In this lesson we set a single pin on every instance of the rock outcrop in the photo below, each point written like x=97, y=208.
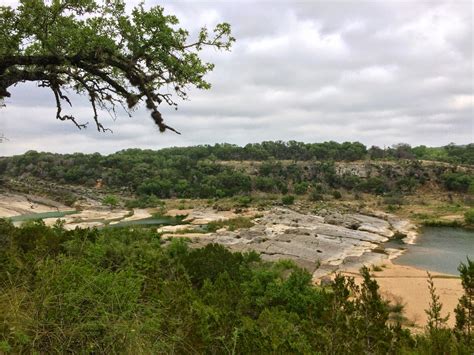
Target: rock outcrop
x=319, y=244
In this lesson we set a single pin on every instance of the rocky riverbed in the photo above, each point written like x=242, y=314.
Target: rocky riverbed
x=320, y=243
x=13, y=204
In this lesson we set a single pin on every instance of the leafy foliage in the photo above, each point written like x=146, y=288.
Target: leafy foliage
x=190, y=173
x=469, y=216
x=123, y=290
x=98, y=49
x=288, y=199
x=111, y=201
x=193, y=172
x=458, y=181
x=231, y=224
x=465, y=309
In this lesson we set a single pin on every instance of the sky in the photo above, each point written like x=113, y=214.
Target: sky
x=377, y=72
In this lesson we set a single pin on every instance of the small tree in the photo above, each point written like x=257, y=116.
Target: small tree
x=439, y=335
x=465, y=308
x=374, y=313
x=435, y=320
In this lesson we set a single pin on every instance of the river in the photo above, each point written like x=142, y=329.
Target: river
x=438, y=249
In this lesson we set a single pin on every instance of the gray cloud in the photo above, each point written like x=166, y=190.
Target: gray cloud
x=376, y=72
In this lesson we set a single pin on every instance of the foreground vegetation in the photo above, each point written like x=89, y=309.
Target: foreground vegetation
x=124, y=290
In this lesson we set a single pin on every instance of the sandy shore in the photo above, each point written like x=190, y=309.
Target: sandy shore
x=406, y=284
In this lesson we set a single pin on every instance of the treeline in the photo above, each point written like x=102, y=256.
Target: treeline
x=327, y=151
x=197, y=172
x=126, y=291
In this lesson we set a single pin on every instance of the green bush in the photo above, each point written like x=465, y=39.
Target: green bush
x=111, y=200
x=301, y=188
x=244, y=201
x=469, y=216
x=288, y=200
x=231, y=224
x=316, y=196
x=458, y=181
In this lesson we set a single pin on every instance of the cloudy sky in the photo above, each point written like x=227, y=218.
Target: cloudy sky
x=378, y=72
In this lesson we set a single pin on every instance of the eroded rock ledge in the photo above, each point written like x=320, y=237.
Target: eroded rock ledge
x=320, y=244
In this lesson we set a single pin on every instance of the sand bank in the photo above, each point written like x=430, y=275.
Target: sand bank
x=409, y=285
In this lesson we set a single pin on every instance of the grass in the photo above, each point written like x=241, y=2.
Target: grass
x=450, y=208
x=231, y=224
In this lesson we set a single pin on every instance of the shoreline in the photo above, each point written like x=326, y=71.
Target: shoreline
x=408, y=285
x=412, y=236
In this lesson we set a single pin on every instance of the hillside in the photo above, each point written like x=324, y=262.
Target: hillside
x=419, y=189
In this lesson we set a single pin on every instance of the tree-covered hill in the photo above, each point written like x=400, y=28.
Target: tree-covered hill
x=273, y=167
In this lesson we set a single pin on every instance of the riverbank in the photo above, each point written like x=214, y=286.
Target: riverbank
x=409, y=285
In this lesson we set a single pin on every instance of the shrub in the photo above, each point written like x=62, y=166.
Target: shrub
x=392, y=208
x=319, y=188
x=469, y=216
x=316, y=196
x=471, y=187
x=336, y=194
x=231, y=224
x=265, y=184
x=459, y=181
x=110, y=200
x=244, y=201
x=465, y=309
x=288, y=200
x=301, y=188
x=210, y=261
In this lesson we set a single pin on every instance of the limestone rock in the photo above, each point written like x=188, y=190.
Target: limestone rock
x=309, y=240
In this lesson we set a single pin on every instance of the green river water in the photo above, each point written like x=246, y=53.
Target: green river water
x=152, y=221
x=33, y=216
x=438, y=249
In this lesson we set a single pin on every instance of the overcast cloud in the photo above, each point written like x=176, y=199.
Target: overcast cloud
x=378, y=72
